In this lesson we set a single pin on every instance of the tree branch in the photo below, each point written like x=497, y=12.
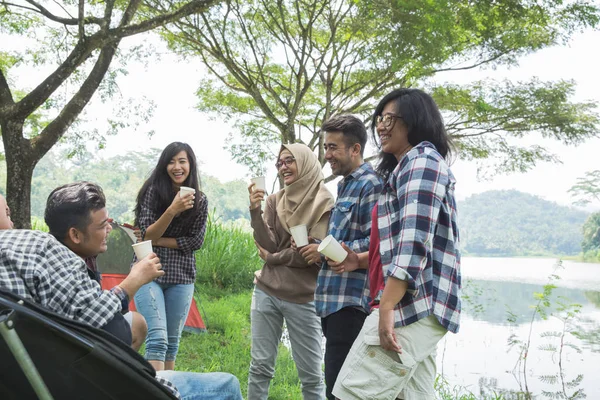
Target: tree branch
x=190, y=8
x=130, y=12
x=81, y=10
x=6, y=100
x=39, y=95
x=497, y=56
x=50, y=135
x=61, y=20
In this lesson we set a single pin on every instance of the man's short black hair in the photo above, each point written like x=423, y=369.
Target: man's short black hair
x=352, y=128
x=70, y=206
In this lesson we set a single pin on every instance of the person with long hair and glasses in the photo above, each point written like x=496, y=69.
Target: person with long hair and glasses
x=285, y=286
x=176, y=225
x=413, y=259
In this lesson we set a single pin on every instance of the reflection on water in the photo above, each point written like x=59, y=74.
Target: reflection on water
x=498, y=304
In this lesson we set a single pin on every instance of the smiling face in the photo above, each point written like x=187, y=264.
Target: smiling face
x=342, y=159
x=289, y=173
x=393, y=138
x=92, y=241
x=5, y=221
x=178, y=168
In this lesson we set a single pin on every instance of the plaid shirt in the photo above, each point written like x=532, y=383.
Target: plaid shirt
x=179, y=264
x=350, y=222
x=419, y=237
x=37, y=267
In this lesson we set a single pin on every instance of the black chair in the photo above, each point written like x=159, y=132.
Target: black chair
x=74, y=360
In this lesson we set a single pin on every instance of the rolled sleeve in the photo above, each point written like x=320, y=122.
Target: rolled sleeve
x=368, y=198
x=421, y=187
x=194, y=240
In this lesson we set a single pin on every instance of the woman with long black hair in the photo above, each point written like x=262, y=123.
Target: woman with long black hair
x=413, y=258
x=176, y=224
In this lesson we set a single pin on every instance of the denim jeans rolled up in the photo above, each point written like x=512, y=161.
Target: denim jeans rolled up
x=204, y=386
x=165, y=308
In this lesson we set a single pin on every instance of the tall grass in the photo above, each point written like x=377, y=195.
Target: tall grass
x=38, y=224
x=228, y=258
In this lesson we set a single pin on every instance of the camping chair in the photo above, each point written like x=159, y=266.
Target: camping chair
x=74, y=360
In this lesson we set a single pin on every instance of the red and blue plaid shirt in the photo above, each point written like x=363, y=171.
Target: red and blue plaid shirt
x=416, y=217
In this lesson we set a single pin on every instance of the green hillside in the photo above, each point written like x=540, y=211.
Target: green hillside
x=512, y=223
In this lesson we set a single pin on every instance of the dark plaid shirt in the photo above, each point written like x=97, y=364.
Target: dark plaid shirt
x=418, y=233
x=350, y=222
x=179, y=264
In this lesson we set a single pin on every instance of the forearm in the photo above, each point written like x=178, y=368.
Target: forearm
x=130, y=285
x=363, y=260
x=157, y=229
x=394, y=291
x=288, y=258
x=261, y=231
x=168, y=242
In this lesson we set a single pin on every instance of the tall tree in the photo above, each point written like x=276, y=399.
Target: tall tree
x=79, y=40
x=281, y=67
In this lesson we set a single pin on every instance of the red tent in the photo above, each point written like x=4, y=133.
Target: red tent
x=114, y=267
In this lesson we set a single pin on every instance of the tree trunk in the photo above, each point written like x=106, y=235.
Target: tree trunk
x=20, y=162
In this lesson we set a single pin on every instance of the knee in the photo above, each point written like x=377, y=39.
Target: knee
x=139, y=330
x=262, y=367
x=231, y=385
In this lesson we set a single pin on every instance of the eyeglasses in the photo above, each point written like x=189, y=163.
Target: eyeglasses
x=387, y=120
x=287, y=161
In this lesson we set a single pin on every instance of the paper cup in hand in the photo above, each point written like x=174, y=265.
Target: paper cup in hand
x=259, y=183
x=183, y=190
x=300, y=235
x=330, y=248
x=142, y=249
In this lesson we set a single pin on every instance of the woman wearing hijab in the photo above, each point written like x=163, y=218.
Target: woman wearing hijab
x=285, y=285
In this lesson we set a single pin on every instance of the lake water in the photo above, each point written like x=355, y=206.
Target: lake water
x=479, y=358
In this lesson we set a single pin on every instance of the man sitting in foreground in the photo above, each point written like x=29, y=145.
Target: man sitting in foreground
x=37, y=267
x=76, y=215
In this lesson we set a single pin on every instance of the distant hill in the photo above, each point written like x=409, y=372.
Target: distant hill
x=513, y=223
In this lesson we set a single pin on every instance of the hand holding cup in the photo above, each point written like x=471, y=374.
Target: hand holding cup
x=256, y=195
x=183, y=201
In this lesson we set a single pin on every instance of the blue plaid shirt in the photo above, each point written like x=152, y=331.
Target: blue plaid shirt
x=350, y=222
x=418, y=234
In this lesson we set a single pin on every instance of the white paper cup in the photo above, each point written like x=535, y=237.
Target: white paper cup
x=300, y=235
x=330, y=248
x=260, y=183
x=183, y=190
x=142, y=249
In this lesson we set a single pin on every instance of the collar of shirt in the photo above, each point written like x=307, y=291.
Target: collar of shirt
x=356, y=174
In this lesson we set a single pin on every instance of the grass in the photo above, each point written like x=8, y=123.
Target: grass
x=226, y=345
x=228, y=257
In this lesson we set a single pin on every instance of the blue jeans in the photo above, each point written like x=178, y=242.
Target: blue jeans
x=165, y=307
x=208, y=386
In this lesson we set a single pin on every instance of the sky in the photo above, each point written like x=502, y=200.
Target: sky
x=171, y=84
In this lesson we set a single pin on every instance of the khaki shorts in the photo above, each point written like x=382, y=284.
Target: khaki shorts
x=372, y=373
